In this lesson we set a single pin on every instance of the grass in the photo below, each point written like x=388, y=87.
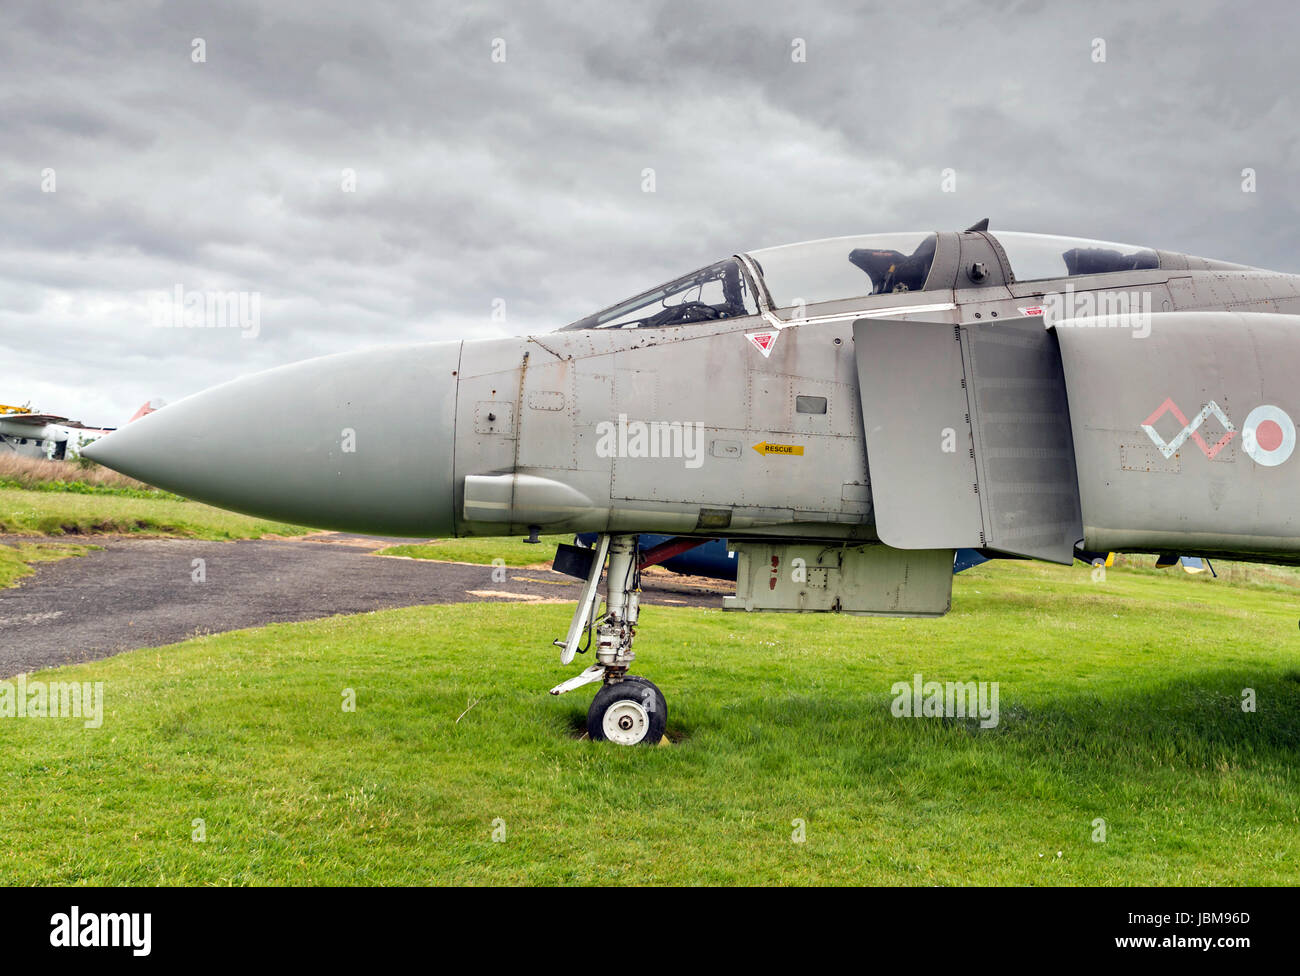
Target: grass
x=513, y=552
x=28, y=512
x=1119, y=700
x=16, y=560
x=82, y=476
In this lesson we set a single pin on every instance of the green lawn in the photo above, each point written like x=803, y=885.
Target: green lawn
x=56, y=513
x=511, y=551
x=1119, y=700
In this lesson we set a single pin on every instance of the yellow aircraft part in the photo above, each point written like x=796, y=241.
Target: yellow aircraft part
x=5, y=408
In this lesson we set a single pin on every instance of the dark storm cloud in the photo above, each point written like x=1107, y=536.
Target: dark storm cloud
x=479, y=181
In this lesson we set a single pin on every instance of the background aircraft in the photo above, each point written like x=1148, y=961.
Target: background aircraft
x=847, y=413
x=44, y=435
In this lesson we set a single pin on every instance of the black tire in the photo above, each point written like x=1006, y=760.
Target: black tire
x=643, y=713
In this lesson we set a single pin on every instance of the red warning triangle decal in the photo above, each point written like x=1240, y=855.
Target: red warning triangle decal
x=763, y=341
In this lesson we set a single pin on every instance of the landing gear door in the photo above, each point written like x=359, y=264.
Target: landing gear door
x=968, y=437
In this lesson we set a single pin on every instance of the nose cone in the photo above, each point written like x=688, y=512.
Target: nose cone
x=361, y=442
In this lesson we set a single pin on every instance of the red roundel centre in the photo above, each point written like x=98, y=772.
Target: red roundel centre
x=1268, y=435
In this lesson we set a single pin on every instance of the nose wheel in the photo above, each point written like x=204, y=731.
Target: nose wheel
x=629, y=712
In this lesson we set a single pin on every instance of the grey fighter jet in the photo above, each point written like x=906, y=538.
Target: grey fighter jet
x=846, y=412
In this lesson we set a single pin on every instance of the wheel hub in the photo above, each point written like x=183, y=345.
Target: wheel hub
x=626, y=722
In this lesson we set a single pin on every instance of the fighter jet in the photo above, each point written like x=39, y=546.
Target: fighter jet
x=847, y=413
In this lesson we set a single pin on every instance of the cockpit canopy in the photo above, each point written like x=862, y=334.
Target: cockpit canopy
x=719, y=291
x=1036, y=256
x=846, y=268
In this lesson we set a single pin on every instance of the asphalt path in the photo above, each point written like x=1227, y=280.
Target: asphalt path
x=146, y=593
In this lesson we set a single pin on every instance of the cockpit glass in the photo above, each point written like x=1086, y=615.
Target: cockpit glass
x=1035, y=256
x=719, y=291
x=845, y=267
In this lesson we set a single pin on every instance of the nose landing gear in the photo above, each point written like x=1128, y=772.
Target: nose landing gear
x=628, y=710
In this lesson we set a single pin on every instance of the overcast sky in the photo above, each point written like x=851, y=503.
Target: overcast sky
x=520, y=181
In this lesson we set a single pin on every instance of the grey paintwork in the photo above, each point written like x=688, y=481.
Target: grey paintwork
x=328, y=442
x=868, y=580
x=687, y=375
x=1137, y=498
x=492, y=437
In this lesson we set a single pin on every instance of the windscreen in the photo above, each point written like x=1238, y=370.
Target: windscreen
x=719, y=291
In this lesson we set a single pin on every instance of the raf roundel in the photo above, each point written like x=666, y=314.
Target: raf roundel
x=1268, y=435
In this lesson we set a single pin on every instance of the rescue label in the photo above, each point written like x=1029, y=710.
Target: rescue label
x=793, y=450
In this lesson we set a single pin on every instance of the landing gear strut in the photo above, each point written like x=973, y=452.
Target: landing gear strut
x=628, y=710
